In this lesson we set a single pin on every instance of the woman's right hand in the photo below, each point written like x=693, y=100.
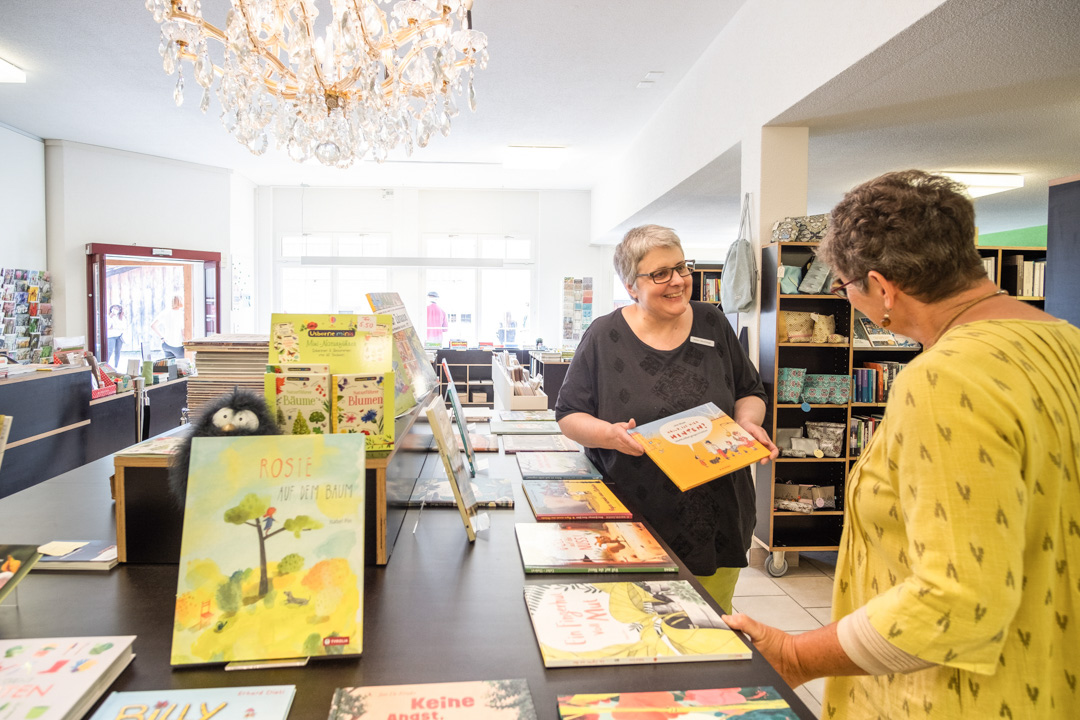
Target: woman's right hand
x=619, y=439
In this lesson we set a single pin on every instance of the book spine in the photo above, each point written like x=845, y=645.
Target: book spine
x=543, y=569
x=577, y=517
x=631, y=660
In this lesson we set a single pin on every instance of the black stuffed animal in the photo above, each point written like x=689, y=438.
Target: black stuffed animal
x=233, y=415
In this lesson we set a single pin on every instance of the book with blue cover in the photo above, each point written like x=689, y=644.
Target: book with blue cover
x=255, y=702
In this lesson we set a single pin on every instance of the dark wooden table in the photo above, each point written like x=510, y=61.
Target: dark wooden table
x=442, y=610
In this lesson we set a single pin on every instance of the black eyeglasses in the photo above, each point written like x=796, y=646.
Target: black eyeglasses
x=840, y=289
x=663, y=275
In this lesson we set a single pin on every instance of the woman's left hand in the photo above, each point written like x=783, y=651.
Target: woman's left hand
x=777, y=646
x=762, y=437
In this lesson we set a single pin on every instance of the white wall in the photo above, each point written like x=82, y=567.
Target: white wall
x=241, y=255
x=100, y=195
x=22, y=201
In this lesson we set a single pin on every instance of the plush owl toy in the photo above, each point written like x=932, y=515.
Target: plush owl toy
x=238, y=413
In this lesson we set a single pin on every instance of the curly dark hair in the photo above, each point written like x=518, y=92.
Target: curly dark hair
x=915, y=228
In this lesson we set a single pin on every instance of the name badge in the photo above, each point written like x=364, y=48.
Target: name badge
x=702, y=341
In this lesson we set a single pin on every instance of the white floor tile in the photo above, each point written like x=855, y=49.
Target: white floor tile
x=828, y=569
x=822, y=614
x=807, y=590
x=811, y=702
x=754, y=581
x=780, y=611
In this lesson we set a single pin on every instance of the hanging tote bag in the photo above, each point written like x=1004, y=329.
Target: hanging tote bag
x=740, y=269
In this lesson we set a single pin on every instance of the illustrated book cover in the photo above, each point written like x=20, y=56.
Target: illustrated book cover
x=573, y=500
x=357, y=344
x=489, y=492
x=877, y=335
x=59, y=678
x=761, y=702
x=15, y=562
x=628, y=622
x=94, y=555
x=414, y=374
x=459, y=418
x=475, y=700
x=255, y=702
x=556, y=466
x=364, y=404
x=168, y=445
x=524, y=427
x=456, y=473
x=698, y=445
x=272, y=551
x=538, y=443
x=300, y=402
x=590, y=547
x=480, y=443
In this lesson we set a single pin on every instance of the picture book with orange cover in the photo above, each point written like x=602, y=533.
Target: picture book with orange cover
x=698, y=445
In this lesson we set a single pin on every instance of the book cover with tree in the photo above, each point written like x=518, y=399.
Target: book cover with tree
x=300, y=402
x=476, y=700
x=272, y=555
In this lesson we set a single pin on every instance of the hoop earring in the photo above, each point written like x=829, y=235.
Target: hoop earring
x=886, y=321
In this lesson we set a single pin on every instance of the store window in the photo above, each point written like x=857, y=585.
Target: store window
x=330, y=288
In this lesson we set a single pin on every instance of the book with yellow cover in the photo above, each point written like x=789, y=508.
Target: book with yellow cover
x=347, y=343
x=590, y=547
x=698, y=445
x=573, y=500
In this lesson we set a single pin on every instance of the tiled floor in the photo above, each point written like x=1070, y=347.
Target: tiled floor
x=801, y=600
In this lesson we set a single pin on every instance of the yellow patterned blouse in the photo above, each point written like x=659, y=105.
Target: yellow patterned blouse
x=963, y=530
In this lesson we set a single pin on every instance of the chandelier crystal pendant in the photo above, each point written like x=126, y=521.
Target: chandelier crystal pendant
x=370, y=82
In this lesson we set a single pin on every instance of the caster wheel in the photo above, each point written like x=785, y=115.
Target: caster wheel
x=776, y=569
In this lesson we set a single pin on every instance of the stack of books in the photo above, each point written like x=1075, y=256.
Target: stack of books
x=224, y=362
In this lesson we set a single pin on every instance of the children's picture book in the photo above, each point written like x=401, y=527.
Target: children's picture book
x=538, y=443
x=489, y=492
x=59, y=678
x=459, y=418
x=628, y=622
x=698, y=445
x=877, y=335
x=456, y=473
x=15, y=562
x=352, y=344
x=254, y=702
x=525, y=427
x=94, y=555
x=556, y=466
x=272, y=552
x=364, y=404
x=573, y=500
x=413, y=373
x=527, y=415
x=761, y=702
x=470, y=700
x=154, y=446
x=480, y=443
x=300, y=402
x=592, y=547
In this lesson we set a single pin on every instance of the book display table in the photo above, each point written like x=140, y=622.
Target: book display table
x=444, y=610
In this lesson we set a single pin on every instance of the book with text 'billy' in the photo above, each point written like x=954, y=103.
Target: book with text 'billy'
x=618, y=623
x=469, y=700
x=573, y=500
x=256, y=702
x=761, y=702
x=698, y=445
x=591, y=547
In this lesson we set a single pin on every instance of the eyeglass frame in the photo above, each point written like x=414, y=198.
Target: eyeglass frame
x=688, y=264
x=839, y=291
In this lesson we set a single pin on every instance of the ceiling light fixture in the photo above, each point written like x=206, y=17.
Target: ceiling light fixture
x=10, y=74
x=533, y=157
x=981, y=184
x=367, y=85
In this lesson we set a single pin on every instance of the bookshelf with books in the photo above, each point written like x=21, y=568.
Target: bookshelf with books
x=1020, y=271
x=706, y=278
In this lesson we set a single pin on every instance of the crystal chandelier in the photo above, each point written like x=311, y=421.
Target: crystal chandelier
x=372, y=81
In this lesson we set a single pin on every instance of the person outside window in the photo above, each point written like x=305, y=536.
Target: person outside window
x=169, y=326
x=117, y=328
x=436, y=319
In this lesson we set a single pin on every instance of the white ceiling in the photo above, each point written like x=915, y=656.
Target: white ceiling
x=988, y=85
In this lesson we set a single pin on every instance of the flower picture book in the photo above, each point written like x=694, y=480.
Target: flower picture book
x=489, y=492
x=573, y=500
x=414, y=375
x=628, y=622
x=745, y=703
x=527, y=415
x=524, y=427
x=469, y=700
x=456, y=473
x=556, y=466
x=459, y=418
x=590, y=547
x=272, y=551
x=364, y=405
x=59, y=678
x=698, y=445
x=15, y=562
x=349, y=344
x=538, y=443
x=263, y=702
x=94, y=555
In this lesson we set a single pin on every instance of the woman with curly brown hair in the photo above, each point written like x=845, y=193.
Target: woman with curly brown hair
x=956, y=585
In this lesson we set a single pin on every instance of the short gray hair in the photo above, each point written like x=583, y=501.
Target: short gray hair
x=636, y=244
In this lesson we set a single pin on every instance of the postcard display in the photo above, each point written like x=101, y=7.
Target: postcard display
x=27, y=315
x=577, y=312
